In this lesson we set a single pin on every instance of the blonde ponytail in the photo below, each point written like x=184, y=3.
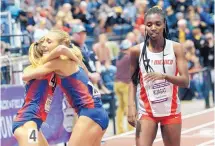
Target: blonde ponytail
x=36, y=53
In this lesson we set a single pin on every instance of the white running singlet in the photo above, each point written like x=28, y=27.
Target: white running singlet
x=159, y=98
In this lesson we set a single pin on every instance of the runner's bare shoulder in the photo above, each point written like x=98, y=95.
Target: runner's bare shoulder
x=135, y=50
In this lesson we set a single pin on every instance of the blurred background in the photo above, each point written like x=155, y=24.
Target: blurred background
x=103, y=25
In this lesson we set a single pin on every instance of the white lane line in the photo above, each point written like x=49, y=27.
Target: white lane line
x=120, y=135
x=183, y=117
x=206, y=143
x=191, y=129
x=198, y=113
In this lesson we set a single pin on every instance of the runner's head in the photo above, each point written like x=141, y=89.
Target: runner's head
x=155, y=22
x=55, y=38
x=49, y=42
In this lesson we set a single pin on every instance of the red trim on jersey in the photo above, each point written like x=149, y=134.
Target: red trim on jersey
x=174, y=104
x=144, y=97
x=82, y=91
x=28, y=98
x=31, y=91
x=87, y=99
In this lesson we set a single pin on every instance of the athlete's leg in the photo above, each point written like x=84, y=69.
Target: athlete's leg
x=85, y=132
x=99, y=139
x=42, y=139
x=23, y=134
x=171, y=130
x=146, y=132
x=171, y=134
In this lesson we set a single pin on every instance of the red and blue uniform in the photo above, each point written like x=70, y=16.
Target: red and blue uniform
x=38, y=97
x=84, y=97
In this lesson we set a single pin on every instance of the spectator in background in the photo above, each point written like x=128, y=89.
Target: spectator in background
x=183, y=31
x=137, y=35
x=114, y=49
x=25, y=4
x=104, y=56
x=195, y=21
x=171, y=17
x=58, y=25
x=199, y=83
x=3, y=5
x=130, y=11
x=40, y=30
x=132, y=38
x=121, y=86
x=89, y=57
x=142, y=32
x=141, y=7
x=180, y=5
x=4, y=48
x=205, y=16
x=179, y=16
x=100, y=27
x=82, y=14
x=119, y=18
x=197, y=38
x=65, y=15
x=190, y=55
x=30, y=16
x=106, y=13
x=23, y=20
x=49, y=11
x=102, y=51
x=207, y=50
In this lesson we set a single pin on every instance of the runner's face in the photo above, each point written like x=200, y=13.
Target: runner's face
x=154, y=26
x=50, y=42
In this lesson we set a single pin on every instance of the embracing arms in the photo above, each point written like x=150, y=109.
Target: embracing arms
x=73, y=53
x=42, y=70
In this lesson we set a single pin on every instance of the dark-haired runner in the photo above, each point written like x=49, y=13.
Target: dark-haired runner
x=159, y=66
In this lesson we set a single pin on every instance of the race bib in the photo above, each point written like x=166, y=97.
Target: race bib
x=94, y=90
x=53, y=82
x=158, y=91
x=48, y=103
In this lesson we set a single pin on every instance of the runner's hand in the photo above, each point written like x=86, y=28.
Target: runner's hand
x=151, y=77
x=132, y=114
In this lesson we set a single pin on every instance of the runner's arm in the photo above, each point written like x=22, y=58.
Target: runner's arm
x=183, y=79
x=134, y=53
x=41, y=70
x=74, y=55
